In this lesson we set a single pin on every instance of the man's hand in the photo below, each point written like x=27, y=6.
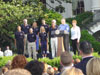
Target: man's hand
x=78, y=41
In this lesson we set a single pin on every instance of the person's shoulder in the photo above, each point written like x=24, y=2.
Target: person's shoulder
x=22, y=25
x=66, y=24
x=78, y=27
x=34, y=33
x=5, y=51
x=71, y=28
x=10, y=51
x=22, y=32
x=60, y=25
x=40, y=34
x=1, y=51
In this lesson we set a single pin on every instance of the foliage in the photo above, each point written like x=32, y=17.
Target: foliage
x=53, y=62
x=82, y=19
x=49, y=15
x=12, y=15
x=90, y=38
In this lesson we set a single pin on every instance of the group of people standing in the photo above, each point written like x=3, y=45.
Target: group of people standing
x=28, y=38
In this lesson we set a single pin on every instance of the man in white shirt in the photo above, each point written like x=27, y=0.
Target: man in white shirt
x=1, y=53
x=75, y=35
x=8, y=52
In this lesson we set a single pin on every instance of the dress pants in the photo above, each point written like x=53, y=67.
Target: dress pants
x=25, y=45
x=32, y=49
x=66, y=42
x=54, y=46
x=74, y=45
x=20, y=46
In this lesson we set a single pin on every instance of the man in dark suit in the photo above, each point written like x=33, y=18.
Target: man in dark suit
x=86, y=51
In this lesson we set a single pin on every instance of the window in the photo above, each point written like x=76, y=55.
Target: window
x=79, y=7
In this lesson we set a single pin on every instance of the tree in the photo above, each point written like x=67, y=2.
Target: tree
x=12, y=14
x=58, y=8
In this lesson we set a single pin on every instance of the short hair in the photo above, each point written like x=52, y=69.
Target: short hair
x=4, y=69
x=93, y=66
x=72, y=71
x=18, y=61
x=66, y=58
x=54, y=21
x=86, y=47
x=50, y=71
x=42, y=28
x=74, y=21
x=35, y=67
x=18, y=72
x=25, y=19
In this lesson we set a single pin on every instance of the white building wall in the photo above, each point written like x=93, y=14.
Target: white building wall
x=68, y=8
x=88, y=5
x=91, y=5
x=95, y=4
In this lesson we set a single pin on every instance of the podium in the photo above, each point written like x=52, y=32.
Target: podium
x=63, y=41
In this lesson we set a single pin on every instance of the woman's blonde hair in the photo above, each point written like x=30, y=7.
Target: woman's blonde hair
x=42, y=29
x=74, y=21
x=72, y=71
x=93, y=66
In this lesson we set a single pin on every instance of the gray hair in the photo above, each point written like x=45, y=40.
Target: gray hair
x=54, y=21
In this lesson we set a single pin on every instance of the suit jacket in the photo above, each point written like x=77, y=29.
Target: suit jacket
x=82, y=64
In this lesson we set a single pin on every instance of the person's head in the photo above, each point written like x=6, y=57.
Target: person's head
x=35, y=67
x=42, y=29
x=66, y=59
x=50, y=71
x=25, y=21
x=19, y=28
x=74, y=22
x=18, y=72
x=19, y=61
x=63, y=21
x=86, y=48
x=4, y=69
x=43, y=21
x=8, y=65
x=72, y=71
x=93, y=66
x=53, y=23
x=34, y=25
x=8, y=48
x=31, y=30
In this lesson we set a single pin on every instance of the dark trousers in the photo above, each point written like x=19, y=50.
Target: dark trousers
x=74, y=45
x=66, y=42
x=44, y=47
x=20, y=46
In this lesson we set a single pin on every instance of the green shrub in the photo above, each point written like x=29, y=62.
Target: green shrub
x=53, y=62
x=88, y=37
x=12, y=15
x=82, y=19
x=49, y=15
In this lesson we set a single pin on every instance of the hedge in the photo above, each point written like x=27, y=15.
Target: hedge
x=88, y=37
x=53, y=62
x=82, y=19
